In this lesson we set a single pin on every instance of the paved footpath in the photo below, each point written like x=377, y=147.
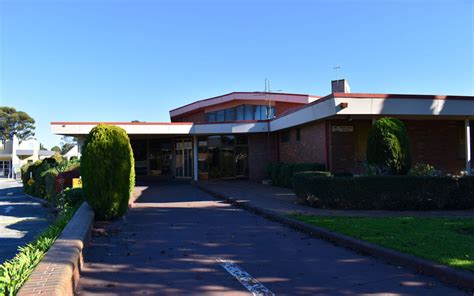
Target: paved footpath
x=283, y=201
x=21, y=218
x=179, y=240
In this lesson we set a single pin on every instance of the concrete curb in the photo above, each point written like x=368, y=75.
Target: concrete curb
x=39, y=200
x=458, y=278
x=58, y=272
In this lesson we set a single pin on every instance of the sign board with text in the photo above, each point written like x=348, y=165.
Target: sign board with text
x=342, y=129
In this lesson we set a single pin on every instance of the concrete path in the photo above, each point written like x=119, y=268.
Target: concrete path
x=178, y=240
x=283, y=201
x=21, y=218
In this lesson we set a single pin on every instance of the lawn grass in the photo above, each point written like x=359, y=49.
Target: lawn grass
x=449, y=241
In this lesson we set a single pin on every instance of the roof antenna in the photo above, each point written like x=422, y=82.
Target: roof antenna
x=337, y=67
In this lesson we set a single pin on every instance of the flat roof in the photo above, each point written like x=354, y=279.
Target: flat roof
x=322, y=107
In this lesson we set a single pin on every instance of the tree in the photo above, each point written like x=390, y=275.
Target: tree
x=66, y=144
x=107, y=169
x=16, y=122
x=388, y=147
x=56, y=149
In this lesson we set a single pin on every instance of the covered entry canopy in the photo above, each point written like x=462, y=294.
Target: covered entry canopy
x=182, y=149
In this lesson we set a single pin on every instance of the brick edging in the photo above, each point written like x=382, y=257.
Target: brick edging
x=449, y=275
x=59, y=270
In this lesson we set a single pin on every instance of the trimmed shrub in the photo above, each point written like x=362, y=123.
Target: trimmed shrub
x=388, y=147
x=386, y=192
x=423, y=169
x=281, y=174
x=48, y=177
x=107, y=168
x=304, y=174
x=36, y=187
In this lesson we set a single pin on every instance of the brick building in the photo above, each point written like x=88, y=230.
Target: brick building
x=236, y=135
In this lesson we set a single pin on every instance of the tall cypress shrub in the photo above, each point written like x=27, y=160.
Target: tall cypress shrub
x=107, y=169
x=388, y=147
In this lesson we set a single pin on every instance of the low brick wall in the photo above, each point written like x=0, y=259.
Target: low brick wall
x=58, y=273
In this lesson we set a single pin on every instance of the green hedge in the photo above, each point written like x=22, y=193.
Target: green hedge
x=282, y=174
x=107, y=168
x=44, y=174
x=386, y=192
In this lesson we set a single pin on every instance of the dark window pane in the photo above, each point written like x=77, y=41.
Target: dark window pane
x=272, y=112
x=230, y=114
x=220, y=116
x=298, y=134
x=214, y=141
x=228, y=140
x=241, y=140
x=239, y=113
x=211, y=117
x=249, y=112
x=257, y=112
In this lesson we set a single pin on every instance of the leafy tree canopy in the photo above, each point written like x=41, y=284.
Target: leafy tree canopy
x=16, y=122
x=56, y=149
x=66, y=144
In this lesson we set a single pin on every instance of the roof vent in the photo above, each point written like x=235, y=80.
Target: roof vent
x=340, y=86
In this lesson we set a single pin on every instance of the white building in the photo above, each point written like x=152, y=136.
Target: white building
x=14, y=154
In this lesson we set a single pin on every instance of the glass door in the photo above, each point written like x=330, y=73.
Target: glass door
x=183, y=155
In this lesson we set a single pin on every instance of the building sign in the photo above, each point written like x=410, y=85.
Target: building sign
x=76, y=183
x=342, y=129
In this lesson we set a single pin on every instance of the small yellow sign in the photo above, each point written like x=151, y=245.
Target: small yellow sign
x=76, y=183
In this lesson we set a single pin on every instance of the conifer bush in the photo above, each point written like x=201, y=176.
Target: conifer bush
x=388, y=147
x=107, y=168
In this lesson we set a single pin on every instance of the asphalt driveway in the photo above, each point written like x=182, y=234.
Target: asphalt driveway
x=179, y=240
x=21, y=218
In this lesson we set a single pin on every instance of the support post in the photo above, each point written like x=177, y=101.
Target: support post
x=468, y=147
x=195, y=158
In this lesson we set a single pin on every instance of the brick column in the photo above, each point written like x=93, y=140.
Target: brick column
x=195, y=158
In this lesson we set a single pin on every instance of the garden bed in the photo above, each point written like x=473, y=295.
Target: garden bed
x=15, y=272
x=447, y=241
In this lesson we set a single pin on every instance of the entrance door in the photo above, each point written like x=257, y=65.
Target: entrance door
x=183, y=155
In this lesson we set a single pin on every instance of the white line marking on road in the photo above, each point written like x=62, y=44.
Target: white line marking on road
x=250, y=283
x=8, y=209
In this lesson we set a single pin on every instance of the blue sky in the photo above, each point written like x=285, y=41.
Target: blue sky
x=135, y=60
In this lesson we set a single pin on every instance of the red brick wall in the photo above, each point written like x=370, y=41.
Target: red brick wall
x=262, y=151
x=346, y=154
x=439, y=143
x=311, y=148
x=436, y=142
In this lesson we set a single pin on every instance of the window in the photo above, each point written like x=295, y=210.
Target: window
x=229, y=114
x=242, y=112
x=211, y=117
x=248, y=112
x=258, y=112
x=285, y=136
x=220, y=116
x=271, y=112
x=298, y=134
x=239, y=113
